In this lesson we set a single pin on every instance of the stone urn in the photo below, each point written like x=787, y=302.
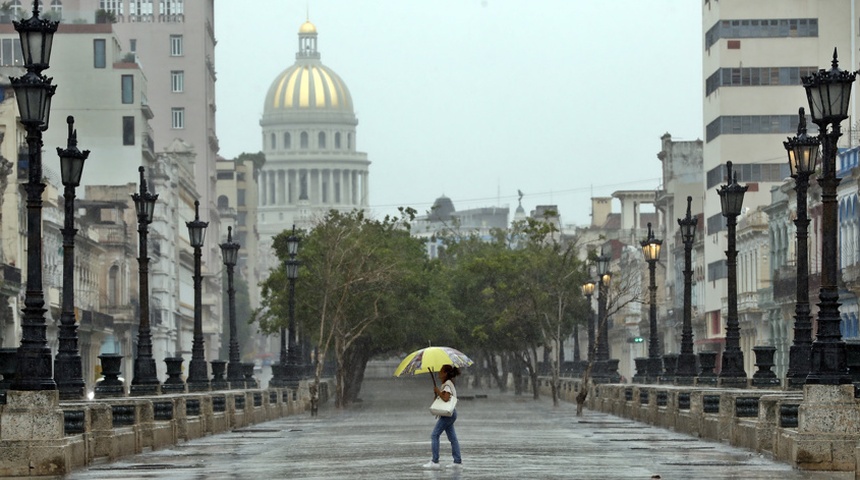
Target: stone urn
x=219, y=368
x=764, y=377
x=248, y=371
x=641, y=369
x=670, y=364
x=174, y=382
x=110, y=385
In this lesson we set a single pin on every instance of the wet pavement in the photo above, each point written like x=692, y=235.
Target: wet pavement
x=502, y=436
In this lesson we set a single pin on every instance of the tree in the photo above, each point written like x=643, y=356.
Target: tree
x=259, y=159
x=356, y=274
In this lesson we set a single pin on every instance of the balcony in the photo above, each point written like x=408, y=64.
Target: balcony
x=148, y=145
x=748, y=302
x=11, y=276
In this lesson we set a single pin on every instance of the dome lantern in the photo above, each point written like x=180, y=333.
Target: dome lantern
x=307, y=42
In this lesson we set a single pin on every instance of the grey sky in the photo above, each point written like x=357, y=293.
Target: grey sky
x=475, y=99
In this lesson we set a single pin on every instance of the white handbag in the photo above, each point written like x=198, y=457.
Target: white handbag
x=442, y=408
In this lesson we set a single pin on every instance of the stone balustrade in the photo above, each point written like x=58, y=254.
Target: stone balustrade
x=39, y=435
x=814, y=429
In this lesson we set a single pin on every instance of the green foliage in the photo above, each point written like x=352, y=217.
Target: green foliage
x=366, y=288
x=258, y=158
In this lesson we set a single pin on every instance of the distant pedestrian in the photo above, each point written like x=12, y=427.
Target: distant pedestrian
x=446, y=391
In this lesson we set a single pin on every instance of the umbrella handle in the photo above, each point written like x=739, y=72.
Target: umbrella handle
x=433, y=378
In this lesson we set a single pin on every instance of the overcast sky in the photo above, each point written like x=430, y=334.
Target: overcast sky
x=475, y=99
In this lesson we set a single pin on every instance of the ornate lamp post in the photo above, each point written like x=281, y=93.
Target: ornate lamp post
x=198, y=370
x=685, y=372
x=731, y=201
x=601, y=359
x=285, y=373
x=829, y=94
x=651, y=249
x=230, y=252
x=802, y=159
x=293, y=371
x=67, y=364
x=33, y=92
x=588, y=291
x=145, y=381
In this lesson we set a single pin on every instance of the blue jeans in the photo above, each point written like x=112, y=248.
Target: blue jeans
x=445, y=424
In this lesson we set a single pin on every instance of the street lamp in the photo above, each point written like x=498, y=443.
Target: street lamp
x=601, y=358
x=285, y=373
x=292, y=266
x=230, y=252
x=145, y=380
x=588, y=291
x=732, y=373
x=802, y=159
x=685, y=372
x=68, y=372
x=651, y=249
x=33, y=92
x=829, y=93
x=198, y=370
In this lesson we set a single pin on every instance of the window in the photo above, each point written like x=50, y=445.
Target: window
x=177, y=81
x=140, y=7
x=99, y=53
x=113, y=285
x=794, y=27
x=349, y=141
x=321, y=140
x=176, y=49
x=132, y=45
x=10, y=52
x=128, y=130
x=337, y=140
x=111, y=6
x=304, y=140
x=287, y=141
x=718, y=270
x=240, y=198
x=57, y=7
x=17, y=9
x=127, y=89
x=177, y=116
x=172, y=7
x=272, y=144
x=223, y=201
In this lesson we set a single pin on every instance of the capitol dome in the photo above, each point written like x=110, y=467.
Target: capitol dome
x=308, y=85
x=309, y=139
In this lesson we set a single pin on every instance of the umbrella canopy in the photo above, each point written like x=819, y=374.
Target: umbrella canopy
x=431, y=359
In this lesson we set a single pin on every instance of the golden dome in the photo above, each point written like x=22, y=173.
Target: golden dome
x=307, y=27
x=308, y=86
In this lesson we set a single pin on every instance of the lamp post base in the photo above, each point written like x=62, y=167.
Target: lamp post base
x=68, y=376
x=234, y=375
x=145, y=381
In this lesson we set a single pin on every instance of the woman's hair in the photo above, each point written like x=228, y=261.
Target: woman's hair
x=450, y=370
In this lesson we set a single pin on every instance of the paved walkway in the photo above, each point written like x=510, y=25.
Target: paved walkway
x=502, y=437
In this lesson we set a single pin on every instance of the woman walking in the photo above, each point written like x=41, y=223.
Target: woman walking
x=446, y=391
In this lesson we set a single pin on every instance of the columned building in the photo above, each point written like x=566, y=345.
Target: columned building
x=309, y=139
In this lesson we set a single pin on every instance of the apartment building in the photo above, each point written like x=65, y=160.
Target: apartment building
x=755, y=54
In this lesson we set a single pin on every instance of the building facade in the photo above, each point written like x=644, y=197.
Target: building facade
x=755, y=54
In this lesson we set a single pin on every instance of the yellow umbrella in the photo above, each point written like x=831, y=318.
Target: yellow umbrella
x=431, y=359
